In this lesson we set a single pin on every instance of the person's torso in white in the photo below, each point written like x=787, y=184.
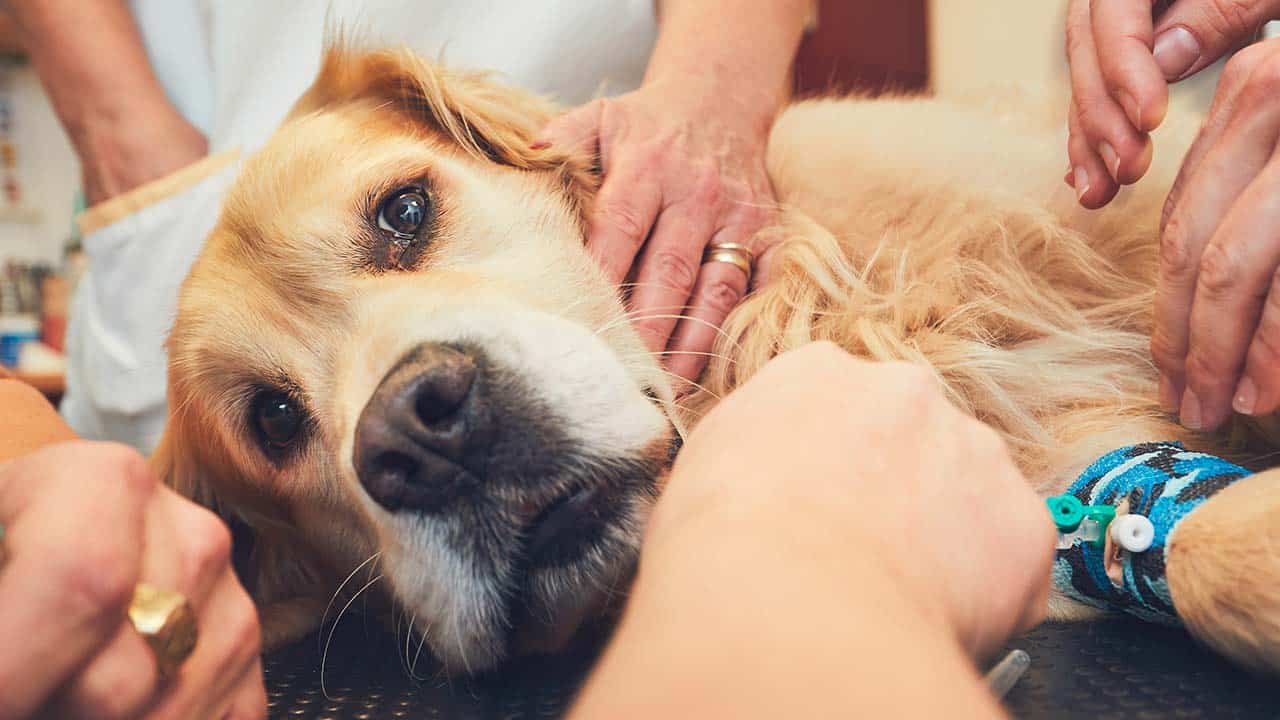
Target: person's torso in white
x=234, y=67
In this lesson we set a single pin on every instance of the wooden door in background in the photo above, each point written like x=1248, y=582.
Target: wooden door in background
x=865, y=46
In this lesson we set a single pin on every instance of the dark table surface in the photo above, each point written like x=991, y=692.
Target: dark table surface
x=1112, y=669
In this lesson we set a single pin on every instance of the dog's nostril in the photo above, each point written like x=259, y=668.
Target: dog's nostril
x=396, y=467
x=436, y=402
x=443, y=386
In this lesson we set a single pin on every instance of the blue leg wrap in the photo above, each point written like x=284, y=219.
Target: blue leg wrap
x=1162, y=481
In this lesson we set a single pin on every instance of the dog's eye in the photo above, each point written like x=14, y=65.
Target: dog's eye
x=404, y=212
x=277, y=418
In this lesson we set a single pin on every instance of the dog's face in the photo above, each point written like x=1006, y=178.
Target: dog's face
x=394, y=345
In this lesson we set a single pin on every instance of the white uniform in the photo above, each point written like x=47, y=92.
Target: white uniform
x=233, y=68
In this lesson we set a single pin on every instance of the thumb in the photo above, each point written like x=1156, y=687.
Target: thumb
x=576, y=130
x=1193, y=35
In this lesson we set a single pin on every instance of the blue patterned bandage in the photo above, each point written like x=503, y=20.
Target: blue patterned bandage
x=1162, y=481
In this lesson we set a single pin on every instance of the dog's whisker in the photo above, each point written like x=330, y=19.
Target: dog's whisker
x=462, y=650
x=341, y=585
x=721, y=356
x=413, y=666
x=668, y=316
x=685, y=410
x=324, y=656
x=408, y=635
x=681, y=379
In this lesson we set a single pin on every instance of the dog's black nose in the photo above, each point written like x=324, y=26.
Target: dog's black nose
x=418, y=427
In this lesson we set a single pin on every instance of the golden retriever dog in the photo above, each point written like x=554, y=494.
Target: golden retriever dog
x=393, y=360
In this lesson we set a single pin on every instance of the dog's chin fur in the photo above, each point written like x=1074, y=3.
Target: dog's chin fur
x=915, y=230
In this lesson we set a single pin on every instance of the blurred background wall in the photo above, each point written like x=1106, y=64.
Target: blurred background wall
x=948, y=46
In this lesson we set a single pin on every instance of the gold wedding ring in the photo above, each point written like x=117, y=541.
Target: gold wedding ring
x=736, y=254
x=167, y=622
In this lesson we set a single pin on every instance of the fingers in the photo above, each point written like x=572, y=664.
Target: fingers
x=1088, y=175
x=719, y=288
x=1205, y=194
x=120, y=682
x=1234, y=76
x=188, y=550
x=1258, y=392
x=1101, y=132
x=623, y=214
x=577, y=130
x=670, y=264
x=1122, y=33
x=1193, y=34
x=1235, y=275
x=249, y=700
x=225, y=659
x=71, y=562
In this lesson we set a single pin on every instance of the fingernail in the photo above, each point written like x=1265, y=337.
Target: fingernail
x=1131, y=108
x=1081, y=183
x=1246, y=397
x=1190, y=413
x=1168, y=395
x=1176, y=50
x=1111, y=158
x=540, y=145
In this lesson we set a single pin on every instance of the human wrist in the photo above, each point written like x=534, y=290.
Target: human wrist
x=725, y=627
x=744, y=49
x=116, y=157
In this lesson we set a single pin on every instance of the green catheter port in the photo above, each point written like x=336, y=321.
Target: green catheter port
x=1077, y=521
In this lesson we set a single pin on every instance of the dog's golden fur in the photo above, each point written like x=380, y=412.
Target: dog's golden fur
x=915, y=230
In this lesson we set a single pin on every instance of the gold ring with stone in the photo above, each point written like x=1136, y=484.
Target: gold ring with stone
x=167, y=622
x=736, y=254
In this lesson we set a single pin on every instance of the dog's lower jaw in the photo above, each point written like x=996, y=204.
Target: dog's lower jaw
x=532, y=634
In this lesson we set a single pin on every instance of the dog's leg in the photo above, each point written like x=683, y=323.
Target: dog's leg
x=1223, y=569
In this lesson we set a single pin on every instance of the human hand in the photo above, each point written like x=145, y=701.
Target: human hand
x=116, y=157
x=1216, y=338
x=83, y=524
x=683, y=165
x=1122, y=54
x=847, y=462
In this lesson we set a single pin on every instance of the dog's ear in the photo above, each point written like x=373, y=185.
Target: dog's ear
x=270, y=564
x=176, y=466
x=485, y=119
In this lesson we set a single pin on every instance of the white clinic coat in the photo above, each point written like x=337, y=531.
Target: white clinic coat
x=233, y=68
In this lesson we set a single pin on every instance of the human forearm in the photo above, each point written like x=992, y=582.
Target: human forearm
x=749, y=44
x=95, y=71
x=753, y=625
x=89, y=58
x=27, y=421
